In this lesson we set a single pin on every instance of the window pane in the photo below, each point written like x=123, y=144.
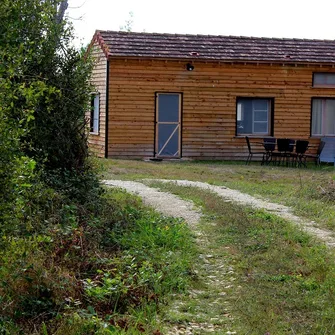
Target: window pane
x=95, y=112
x=260, y=105
x=323, y=117
x=261, y=127
x=253, y=116
x=317, y=117
x=331, y=79
x=324, y=79
x=244, y=126
x=239, y=112
x=330, y=117
x=168, y=107
x=319, y=79
x=260, y=116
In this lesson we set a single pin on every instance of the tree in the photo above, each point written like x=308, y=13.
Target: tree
x=128, y=26
x=57, y=77
x=44, y=93
x=61, y=9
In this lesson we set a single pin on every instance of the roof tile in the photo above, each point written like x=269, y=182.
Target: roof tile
x=219, y=48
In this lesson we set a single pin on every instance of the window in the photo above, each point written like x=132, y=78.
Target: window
x=324, y=79
x=323, y=117
x=253, y=116
x=94, y=119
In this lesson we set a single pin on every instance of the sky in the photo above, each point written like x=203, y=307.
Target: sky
x=313, y=19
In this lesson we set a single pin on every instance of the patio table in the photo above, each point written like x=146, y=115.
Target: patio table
x=279, y=150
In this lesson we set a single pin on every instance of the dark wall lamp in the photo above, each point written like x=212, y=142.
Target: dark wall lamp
x=189, y=67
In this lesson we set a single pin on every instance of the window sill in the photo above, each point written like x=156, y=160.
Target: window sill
x=94, y=133
x=323, y=86
x=320, y=136
x=253, y=136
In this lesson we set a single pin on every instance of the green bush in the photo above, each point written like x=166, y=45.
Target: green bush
x=97, y=270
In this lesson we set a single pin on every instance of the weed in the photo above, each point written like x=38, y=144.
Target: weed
x=86, y=274
x=154, y=263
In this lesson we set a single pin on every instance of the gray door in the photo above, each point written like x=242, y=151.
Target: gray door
x=168, y=128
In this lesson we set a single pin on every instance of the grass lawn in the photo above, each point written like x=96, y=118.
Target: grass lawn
x=309, y=191
x=282, y=279
x=129, y=270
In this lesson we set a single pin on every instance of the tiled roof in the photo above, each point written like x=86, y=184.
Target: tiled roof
x=218, y=48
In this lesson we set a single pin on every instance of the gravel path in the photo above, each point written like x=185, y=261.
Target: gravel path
x=163, y=202
x=212, y=269
x=171, y=205
x=328, y=237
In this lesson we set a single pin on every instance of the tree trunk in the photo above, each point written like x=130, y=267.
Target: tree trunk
x=61, y=11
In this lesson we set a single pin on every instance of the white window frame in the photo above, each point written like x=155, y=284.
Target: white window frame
x=95, y=112
x=254, y=111
x=240, y=113
x=323, y=120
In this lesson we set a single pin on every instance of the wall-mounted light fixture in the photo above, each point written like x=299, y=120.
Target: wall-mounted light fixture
x=189, y=67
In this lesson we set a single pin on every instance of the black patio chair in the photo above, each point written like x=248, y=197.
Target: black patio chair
x=301, y=147
x=269, y=144
x=316, y=157
x=284, y=150
x=290, y=154
x=251, y=152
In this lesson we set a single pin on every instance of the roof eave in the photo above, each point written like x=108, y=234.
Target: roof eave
x=97, y=38
x=231, y=61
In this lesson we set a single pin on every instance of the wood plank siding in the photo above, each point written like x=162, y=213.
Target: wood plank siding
x=99, y=78
x=208, y=107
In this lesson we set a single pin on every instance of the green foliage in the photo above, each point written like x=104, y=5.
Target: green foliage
x=50, y=197
x=78, y=185
x=44, y=89
x=58, y=131
x=155, y=261
x=68, y=277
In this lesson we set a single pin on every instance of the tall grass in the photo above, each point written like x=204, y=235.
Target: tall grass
x=94, y=274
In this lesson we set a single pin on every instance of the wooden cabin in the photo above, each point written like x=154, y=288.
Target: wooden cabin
x=197, y=96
